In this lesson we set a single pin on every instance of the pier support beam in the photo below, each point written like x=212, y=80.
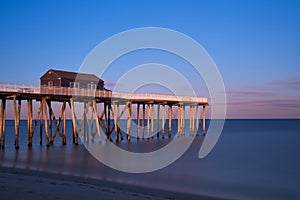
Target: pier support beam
x=192, y=120
x=41, y=123
x=75, y=138
x=203, y=120
x=183, y=119
x=50, y=122
x=128, y=120
x=179, y=120
x=85, y=122
x=108, y=120
x=158, y=112
x=64, y=126
x=148, y=121
x=29, y=122
x=105, y=120
x=116, y=115
x=97, y=120
x=138, y=121
x=170, y=121
x=143, y=121
x=197, y=120
x=45, y=122
x=152, y=121
x=2, y=124
x=17, y=112
x=163, y=122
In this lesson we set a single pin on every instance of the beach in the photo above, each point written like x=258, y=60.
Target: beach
x=33, y=185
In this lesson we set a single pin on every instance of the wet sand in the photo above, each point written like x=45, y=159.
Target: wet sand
x=33, y=185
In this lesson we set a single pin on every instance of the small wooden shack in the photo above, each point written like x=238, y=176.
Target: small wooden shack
x=57, y=78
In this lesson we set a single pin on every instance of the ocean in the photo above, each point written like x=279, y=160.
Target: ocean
x=253, y=159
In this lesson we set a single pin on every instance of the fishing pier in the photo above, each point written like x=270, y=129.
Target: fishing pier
x=99, y=108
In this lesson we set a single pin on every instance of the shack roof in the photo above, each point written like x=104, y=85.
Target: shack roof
x=73, y=75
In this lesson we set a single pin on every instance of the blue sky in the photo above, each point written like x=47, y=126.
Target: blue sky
x=255, y=44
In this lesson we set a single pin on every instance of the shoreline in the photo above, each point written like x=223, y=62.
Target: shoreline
x=29, y=184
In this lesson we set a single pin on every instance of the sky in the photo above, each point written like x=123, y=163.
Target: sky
x=255, y=44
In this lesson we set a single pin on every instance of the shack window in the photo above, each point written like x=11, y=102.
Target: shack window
x=50, y=84
x=74, y=85
x=92, y=86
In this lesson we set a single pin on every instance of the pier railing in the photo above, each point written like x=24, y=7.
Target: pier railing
x=84, y=92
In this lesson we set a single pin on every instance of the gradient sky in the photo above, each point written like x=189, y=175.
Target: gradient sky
x=255, y=44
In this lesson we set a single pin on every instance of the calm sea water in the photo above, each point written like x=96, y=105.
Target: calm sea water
x=253, y=159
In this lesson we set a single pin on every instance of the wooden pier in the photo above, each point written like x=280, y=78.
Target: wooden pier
x=94, y=122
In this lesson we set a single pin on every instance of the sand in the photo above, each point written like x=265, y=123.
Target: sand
x=33, y=185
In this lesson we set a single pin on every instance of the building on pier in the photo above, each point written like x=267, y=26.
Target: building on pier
x=57, y=78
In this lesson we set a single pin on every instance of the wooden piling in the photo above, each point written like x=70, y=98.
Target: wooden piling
x=152, y=121
x=179, y=120
x=97, y=120
x=183, y=120
x=64, y=126
x=193, y=120
x=128, y=120
x=138, y=121
x=29, y=122
x=108, y=120
x=41, y=123
x=75, y=139
x=17, y=112
x=203, y=120
x=163, y=121
x=190, y=118
x=2, y=124
x=118, y=113
x=143, y=120
x=85, y=123
x=197, y=120
x=170, y=121
x=158, y=113
x=148, y=121
x=106, y=123
x=46, y=123
x=50, y=121
x=115, y=115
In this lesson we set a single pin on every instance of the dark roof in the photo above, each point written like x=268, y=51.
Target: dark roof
x=74, y=75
